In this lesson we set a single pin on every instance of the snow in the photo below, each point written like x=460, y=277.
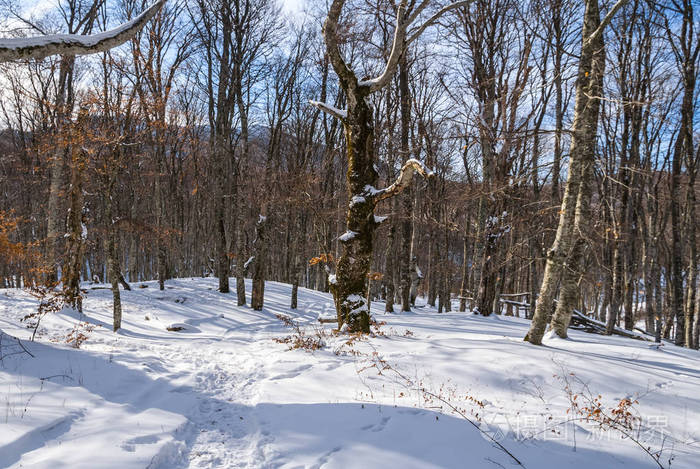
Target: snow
x=428, y=172
x=379, y=218
x=84, y=40
x=347, y=236
x=357, y=199
x=371, y=190
x=355, y=298
x=222, y=393
x=342, y=113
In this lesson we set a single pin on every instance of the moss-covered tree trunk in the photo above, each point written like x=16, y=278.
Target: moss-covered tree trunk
x=349, y=282
x=349, y=287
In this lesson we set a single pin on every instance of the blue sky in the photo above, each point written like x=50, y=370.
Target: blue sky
x=291, y=5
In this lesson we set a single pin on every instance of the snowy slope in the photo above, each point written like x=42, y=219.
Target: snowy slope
x=222, y=393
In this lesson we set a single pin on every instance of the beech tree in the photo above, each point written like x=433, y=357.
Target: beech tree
x=348, y=284
x=565, y=256
x=158, y=52
x=686, y=47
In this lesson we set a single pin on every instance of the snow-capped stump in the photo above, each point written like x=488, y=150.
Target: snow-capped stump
x=183, y=327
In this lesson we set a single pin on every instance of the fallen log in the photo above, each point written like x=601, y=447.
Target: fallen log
x=580, y=321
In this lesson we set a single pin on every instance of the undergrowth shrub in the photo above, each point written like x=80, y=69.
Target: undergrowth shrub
x=301, y=338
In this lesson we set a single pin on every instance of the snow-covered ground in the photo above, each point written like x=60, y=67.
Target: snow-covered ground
x=222, y=393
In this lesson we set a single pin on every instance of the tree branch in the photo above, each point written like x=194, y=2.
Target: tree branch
x=74, y=44
x=606, y=21
x=328, y=109
x=400, y=43
x=409, y=168
x=436, y=17
x=397, y=48
x=415, y=13
x=330, y=36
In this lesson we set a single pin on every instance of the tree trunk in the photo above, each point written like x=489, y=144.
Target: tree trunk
x=691, y=312
x=160, y=214
x=465, y=272
x=77, y=232
x=616, y=293
x=582, y=151
x=446, y=296
x=55, y=214
x=295, y=280
x=433, y=268
x=389, y=270
x=238, y=213
x=113, y=259
x=684, y=148
x=406, y=225
x=257, y=296
x=676, y=279
x=349, y=288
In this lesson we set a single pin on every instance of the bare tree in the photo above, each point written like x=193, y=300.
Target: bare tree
x=158, y=53
x=348, y=284
x=564, y=258
x=686, y=47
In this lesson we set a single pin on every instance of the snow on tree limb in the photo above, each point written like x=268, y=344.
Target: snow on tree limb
x=397, y=48
x=327, y=108
x=74, y=44
x=409, y=168
x=400, y=41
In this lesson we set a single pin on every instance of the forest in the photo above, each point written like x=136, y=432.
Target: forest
x=213, y=144
x=397, y=183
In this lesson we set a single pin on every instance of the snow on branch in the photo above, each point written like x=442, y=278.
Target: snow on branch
x=74, y=44
x=347, y=236
x=327, y=108
x=409, y=168
x=397, y=48
x=401, y=41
